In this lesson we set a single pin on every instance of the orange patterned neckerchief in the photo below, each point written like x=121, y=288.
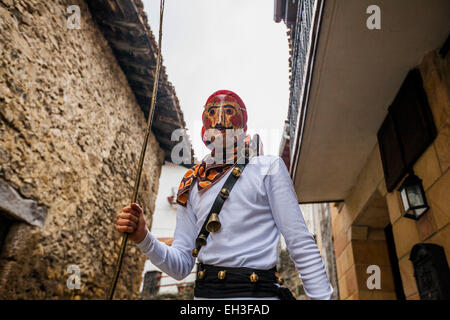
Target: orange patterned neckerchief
x=208, y=174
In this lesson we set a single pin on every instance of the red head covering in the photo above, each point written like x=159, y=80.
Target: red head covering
x=223, y=109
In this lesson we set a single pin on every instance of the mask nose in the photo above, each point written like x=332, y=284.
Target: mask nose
x=221, y=117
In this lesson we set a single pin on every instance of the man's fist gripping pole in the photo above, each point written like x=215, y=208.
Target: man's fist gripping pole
x=131, y=220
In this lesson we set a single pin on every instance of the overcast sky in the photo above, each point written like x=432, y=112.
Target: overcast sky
x=236, y=45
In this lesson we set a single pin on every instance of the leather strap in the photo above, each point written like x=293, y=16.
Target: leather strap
x=220, y=200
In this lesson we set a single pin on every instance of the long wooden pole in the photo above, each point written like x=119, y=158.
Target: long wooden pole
x=141, y=158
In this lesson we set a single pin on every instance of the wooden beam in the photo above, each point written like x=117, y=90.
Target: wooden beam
x=168, y=120
x=129, y=47
x=126, y=7
x=125, y=26
x=124, y=35
x=138, y=66
x=165, y=103
x=145, y=55
x=163, y=85
x=141, y=71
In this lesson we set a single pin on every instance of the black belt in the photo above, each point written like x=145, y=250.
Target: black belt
x=227, y=282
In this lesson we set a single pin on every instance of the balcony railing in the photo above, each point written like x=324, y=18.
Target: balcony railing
x=306, y=29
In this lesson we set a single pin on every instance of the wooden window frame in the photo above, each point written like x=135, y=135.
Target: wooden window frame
x=407, y=131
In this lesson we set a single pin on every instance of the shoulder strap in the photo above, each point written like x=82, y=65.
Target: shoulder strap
x=217, y=205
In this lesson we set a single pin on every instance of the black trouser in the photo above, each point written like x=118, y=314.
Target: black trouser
x=237, y=282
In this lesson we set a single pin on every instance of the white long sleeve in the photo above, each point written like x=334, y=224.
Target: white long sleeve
x=262, y=204
x=300, y=242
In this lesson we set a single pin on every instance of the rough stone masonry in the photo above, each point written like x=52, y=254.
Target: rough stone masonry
x=70, y=136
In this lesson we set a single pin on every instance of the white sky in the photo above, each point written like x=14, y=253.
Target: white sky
x=236, y=45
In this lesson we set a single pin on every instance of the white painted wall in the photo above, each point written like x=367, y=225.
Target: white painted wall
x=308, y=215
x=164, y=220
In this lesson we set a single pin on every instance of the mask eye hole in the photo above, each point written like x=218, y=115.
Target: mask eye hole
x=212, y=112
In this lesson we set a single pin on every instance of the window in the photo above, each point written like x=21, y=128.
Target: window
x=407, y=131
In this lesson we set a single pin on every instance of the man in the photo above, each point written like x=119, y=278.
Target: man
x=238, y=260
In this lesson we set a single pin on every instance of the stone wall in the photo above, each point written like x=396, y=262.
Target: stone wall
x=70, y=136
x=358, y=222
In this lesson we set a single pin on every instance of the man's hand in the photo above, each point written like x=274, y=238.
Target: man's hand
x=131, y=220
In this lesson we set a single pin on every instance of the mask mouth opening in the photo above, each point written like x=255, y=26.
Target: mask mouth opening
x=222, y=128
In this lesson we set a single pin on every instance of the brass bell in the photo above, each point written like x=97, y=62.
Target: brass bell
x=213, y=224
x=254, y=277
x=236, y=172
x=201, y=240
x=201, y=274
x=221, y=275
x=224, y=193
x=195, y=252
x=280, y=281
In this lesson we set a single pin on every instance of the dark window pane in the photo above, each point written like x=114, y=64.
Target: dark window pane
x=407, y=131
x=413, y=119
x=391, y=155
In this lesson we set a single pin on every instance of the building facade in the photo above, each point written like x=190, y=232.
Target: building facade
x=75, y=88
x=369, y=107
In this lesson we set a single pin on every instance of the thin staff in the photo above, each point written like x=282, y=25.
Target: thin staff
x=141, y=159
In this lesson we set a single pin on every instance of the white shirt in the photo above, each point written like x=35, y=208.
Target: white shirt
x=261, y=204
